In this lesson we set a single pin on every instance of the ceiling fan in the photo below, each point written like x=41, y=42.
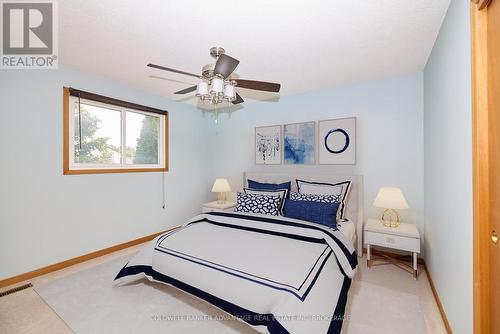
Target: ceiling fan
x=217, y=84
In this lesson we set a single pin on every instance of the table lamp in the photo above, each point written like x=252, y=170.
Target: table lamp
x=390, y=199
x=221, y=187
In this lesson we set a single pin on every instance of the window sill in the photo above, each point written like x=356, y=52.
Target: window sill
x=112, y=171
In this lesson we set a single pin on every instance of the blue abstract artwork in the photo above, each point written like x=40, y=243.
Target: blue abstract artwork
x=299, y=143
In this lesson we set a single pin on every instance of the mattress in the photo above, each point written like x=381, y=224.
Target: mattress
x=348, y=229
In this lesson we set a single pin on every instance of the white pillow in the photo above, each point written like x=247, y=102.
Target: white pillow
x=341, y=190
x=318, y=189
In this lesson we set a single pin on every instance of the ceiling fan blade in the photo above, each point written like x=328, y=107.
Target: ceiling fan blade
x=186, y=90
x=225, y=65
x=238, y=99
x=172, y=70
x=258, y=85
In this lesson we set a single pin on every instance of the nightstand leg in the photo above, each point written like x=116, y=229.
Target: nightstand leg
x=415, y=265
x=368, y=256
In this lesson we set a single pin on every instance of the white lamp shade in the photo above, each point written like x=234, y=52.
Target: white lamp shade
x=202, y=88
x=221, y=186
x=217, y=85
x=229, y=91
x=390, y=198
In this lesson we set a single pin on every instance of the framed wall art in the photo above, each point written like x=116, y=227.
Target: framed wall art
x=337, y=141
x=268, y=145
x=299, y=142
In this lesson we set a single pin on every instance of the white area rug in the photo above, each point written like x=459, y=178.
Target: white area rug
x=88, y=303
x=374, y=309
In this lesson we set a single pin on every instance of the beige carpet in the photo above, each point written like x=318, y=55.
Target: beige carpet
x=19, y=314
x=375, y=309
x=88, y=303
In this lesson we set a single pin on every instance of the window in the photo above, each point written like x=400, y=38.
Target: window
x=105, y=135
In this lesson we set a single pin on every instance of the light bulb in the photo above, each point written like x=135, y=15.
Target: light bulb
x=202, y=89
x=217, y=85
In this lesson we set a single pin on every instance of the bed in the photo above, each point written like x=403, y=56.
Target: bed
x=277, y=274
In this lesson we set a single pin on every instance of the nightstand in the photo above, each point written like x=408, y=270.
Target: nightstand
x=405, y=237
x=218, y=207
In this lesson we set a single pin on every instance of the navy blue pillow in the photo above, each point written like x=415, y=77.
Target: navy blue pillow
x=315, y=212
x=254, y=185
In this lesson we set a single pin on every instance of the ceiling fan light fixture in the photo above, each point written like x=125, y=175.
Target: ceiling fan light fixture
x=217, y=86
x=202, y=89
x=229, y=92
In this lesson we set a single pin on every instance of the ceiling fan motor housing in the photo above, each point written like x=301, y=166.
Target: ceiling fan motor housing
x=207, y=71
x=216, y=51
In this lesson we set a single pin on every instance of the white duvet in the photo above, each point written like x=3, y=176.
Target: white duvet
x=277, y=274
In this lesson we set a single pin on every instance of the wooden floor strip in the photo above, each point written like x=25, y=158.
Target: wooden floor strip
x=76, y=260
x=438, y=301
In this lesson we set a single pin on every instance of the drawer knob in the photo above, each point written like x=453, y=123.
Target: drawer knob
x=494, y=237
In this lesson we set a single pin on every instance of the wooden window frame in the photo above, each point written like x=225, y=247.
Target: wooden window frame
x=67, y=170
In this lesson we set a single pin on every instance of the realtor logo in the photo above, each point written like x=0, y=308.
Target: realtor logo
x=29, y=38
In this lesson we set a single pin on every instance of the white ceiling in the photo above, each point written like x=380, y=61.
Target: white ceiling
x=304, y=45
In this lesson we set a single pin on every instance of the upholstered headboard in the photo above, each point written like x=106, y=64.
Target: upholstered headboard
x=355, y=203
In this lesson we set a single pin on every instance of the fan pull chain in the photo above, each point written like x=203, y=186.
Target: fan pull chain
x=163, y=190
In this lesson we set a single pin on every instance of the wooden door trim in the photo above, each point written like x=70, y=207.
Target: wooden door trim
x=481, y=172
x=482, y=4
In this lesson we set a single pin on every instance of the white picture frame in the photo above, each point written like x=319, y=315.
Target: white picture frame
x=299, y=143
x=337, y=141
x=268, y=145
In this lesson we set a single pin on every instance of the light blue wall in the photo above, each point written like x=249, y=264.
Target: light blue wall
x=40, y=208
x=389, y=136
x=448, y=167
x=46, y=217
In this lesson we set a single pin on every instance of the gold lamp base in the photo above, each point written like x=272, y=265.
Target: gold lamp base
x=390, y=218
x=221, y=198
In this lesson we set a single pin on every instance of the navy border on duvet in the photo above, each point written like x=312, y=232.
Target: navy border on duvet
x=191, y=257
x=194, y=259
x=301, y=298
x=246, y=228
x=352, y=258
x=250, y=317
x=339, y=313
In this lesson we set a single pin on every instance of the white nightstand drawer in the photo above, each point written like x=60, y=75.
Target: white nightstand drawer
x=208, y=209
x=218, y=207
x=392, y=241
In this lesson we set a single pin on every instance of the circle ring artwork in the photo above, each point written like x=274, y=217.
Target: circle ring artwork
x=346, y=145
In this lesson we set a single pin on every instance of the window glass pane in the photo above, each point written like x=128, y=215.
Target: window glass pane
x=142, y=136
x=100, y=135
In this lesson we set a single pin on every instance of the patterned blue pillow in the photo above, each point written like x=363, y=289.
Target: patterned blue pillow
x=316, y=212
x=262, y=204
x=269, y=186
x=281, y=193
x=316, y=198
